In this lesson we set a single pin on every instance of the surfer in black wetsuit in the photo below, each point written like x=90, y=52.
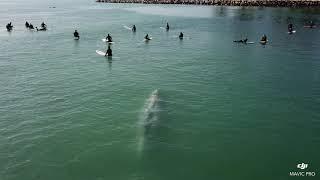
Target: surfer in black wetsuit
x=167, y=28
x=181, y=35
x=264, y=38
x=147, y=37
x=109, y=38
x=76, y=34
x=109, y=52
x=27, y=24
x=134, y=29
x=9, y=26
x=43, y=25
x=290, y=28
x=242, y=41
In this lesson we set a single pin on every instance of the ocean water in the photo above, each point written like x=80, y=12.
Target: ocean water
x=198, y=108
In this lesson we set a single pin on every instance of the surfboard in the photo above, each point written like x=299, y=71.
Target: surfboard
x=126, y=27
x=101, y=53
x=294, y=31
x=105, y=40
x=263, y=42
x=250, y=42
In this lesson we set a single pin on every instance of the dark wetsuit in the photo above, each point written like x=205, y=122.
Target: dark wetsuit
x=43, y=25
x=290, y=27
x=242, y=41
x=134, y=29
x=147, y=37
x=109, y=38
x=27, y=25
x=109, y=52
x=181, y=35
x=9, y=26
x=76, y=34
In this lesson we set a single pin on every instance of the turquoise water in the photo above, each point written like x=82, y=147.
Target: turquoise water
x=223, y=111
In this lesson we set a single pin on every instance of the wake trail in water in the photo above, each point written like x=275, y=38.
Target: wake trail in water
x=148, y=118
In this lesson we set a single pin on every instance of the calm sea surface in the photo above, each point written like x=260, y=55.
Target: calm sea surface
x=223, y=110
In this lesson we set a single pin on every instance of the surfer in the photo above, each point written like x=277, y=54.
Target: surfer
x=27, y=24
x=43, y=25
x=290, y=28
x=242, y=41
x=109, y=52
x=147, y=37
x=109, y=38
x=167, y=28
x=181, y=35
x=76, y=34
x=134, y=29
x=9, y=26
x=264, y=39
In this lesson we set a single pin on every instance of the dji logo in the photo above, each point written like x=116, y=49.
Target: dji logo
x=302, y=166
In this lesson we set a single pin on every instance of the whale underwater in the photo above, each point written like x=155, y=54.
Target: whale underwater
x=148, y=118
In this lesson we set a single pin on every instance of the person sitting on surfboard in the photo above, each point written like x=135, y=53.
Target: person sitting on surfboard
x=76, y=34
x=134, y=28
x=241, y=41
x=147, y=37
x=181, y=35
x=109, y=38
x=264, y=38
x=9, y=26
x=27, y=24
x=167, y=28
x=109, y=52
x=43, y=25
x=290, y=28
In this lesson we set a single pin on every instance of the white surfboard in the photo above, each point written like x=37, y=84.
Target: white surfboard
x=105, y=40
x=250, y=42
x=126, y=27
x=101, y=53
x=294, y=31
